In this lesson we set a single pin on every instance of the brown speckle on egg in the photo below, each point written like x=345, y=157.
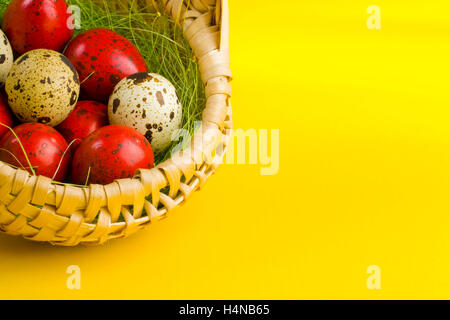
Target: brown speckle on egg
x=148, y=134
x=23, y=58
x=160, y=98
x=140, y=77
x=116, y=104
x=73, y=98
x=44, y=120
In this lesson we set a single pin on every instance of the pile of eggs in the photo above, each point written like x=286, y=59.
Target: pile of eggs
x=83, y=109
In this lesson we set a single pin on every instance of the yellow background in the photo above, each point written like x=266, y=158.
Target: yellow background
x=364, y=119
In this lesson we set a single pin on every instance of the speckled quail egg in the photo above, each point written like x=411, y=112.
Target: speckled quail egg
x=42, y=86
x=6, y=57
x=147, y=102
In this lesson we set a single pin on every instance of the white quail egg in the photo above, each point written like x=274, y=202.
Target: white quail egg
x=42, y=86
x=147, y=102
x=6, y=57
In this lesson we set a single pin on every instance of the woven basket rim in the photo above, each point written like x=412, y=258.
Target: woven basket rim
x=41, y=210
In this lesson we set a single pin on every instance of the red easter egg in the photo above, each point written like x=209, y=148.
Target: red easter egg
x=43, y=24
x=87, y=117
x=103, y=58
x=44, y=146
x=110, y=153
x=6, y=116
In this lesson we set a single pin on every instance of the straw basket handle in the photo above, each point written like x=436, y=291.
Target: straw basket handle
x=222, y=6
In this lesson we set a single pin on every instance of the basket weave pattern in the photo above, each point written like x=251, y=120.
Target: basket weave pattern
x=37, y=209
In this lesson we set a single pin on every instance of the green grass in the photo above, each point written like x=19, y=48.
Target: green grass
x=160, y=43
x=3, y=4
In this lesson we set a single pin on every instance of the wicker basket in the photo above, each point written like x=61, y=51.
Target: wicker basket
x=66, y=215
